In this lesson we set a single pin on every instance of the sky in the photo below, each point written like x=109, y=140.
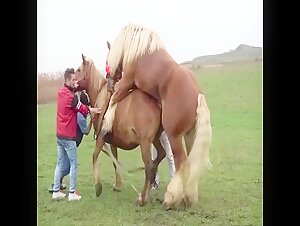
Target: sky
x=188, y=28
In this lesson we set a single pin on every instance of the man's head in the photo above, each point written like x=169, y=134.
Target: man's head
x=70, y=78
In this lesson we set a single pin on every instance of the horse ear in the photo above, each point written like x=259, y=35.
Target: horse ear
x=83, y=58
x=108, y=44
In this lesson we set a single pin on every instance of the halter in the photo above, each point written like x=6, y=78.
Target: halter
x=112, y=80
x=110, y=90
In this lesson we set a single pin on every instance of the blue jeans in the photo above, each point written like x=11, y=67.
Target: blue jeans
x=66, y=163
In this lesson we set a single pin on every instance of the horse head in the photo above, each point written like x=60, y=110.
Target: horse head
x=118, y=73
x=82, y=74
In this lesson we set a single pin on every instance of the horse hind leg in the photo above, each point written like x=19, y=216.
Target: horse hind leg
x=189, y=140
x=161, y=154
x=175, y=192
x=146, y=156
x=117, y=185
x=190, y=189
x=198, y=157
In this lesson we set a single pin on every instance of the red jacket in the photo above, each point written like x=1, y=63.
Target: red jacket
x=66, y=115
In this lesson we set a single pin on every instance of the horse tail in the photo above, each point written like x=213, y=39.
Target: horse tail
x=198, y=158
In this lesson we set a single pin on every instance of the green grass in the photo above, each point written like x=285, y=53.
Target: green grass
x=229, y=195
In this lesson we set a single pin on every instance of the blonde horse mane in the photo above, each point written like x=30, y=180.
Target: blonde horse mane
x=96, y=80
x=132, y=41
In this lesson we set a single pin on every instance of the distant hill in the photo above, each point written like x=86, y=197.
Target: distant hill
x=241, y=53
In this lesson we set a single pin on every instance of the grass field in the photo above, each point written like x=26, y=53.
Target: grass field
x=229, y=195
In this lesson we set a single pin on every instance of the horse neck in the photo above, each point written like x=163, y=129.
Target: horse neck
x=95, y=84
x=163, y=53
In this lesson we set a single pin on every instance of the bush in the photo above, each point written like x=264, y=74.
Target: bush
x=47, y=88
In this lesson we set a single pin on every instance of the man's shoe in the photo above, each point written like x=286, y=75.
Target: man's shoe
x=74, y=197
x=58, y=195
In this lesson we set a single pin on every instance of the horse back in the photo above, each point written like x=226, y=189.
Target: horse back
x=138, y=116
x=174, y=85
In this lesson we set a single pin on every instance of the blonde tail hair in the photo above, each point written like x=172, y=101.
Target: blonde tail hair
x=198, y=158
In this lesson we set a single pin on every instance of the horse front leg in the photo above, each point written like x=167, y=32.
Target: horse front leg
x=161, y=154
x=121, y=91
x=97, y=181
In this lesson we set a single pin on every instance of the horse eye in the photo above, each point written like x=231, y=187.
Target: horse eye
x=78, y=69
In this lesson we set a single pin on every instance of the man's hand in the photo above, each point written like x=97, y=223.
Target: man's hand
x=94, y=111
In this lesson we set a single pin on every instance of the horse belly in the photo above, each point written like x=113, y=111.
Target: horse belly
x=123, y=132
x=121, y=140
x=124, y=145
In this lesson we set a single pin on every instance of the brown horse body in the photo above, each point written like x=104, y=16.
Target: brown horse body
x=184, y=110
x=137, y=122
x=129, y=127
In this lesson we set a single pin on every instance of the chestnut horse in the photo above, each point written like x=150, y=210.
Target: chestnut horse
x=141, y=55
x=137, y=122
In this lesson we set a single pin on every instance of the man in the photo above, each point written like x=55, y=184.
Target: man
x=82, y=129
x=66, y=123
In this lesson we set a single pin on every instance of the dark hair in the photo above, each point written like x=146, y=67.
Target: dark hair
x=68, y=73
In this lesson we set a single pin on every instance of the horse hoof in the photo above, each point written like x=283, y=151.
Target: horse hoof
x=98, y=188
x=179, y=205
x=191, y=196
x=167, y=205
x=139, y=200
x=116, y=189
x=188, y=202
x=171, y=203
x=174, y=194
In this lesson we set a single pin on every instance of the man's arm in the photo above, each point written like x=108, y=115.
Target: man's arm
x=77, y=106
